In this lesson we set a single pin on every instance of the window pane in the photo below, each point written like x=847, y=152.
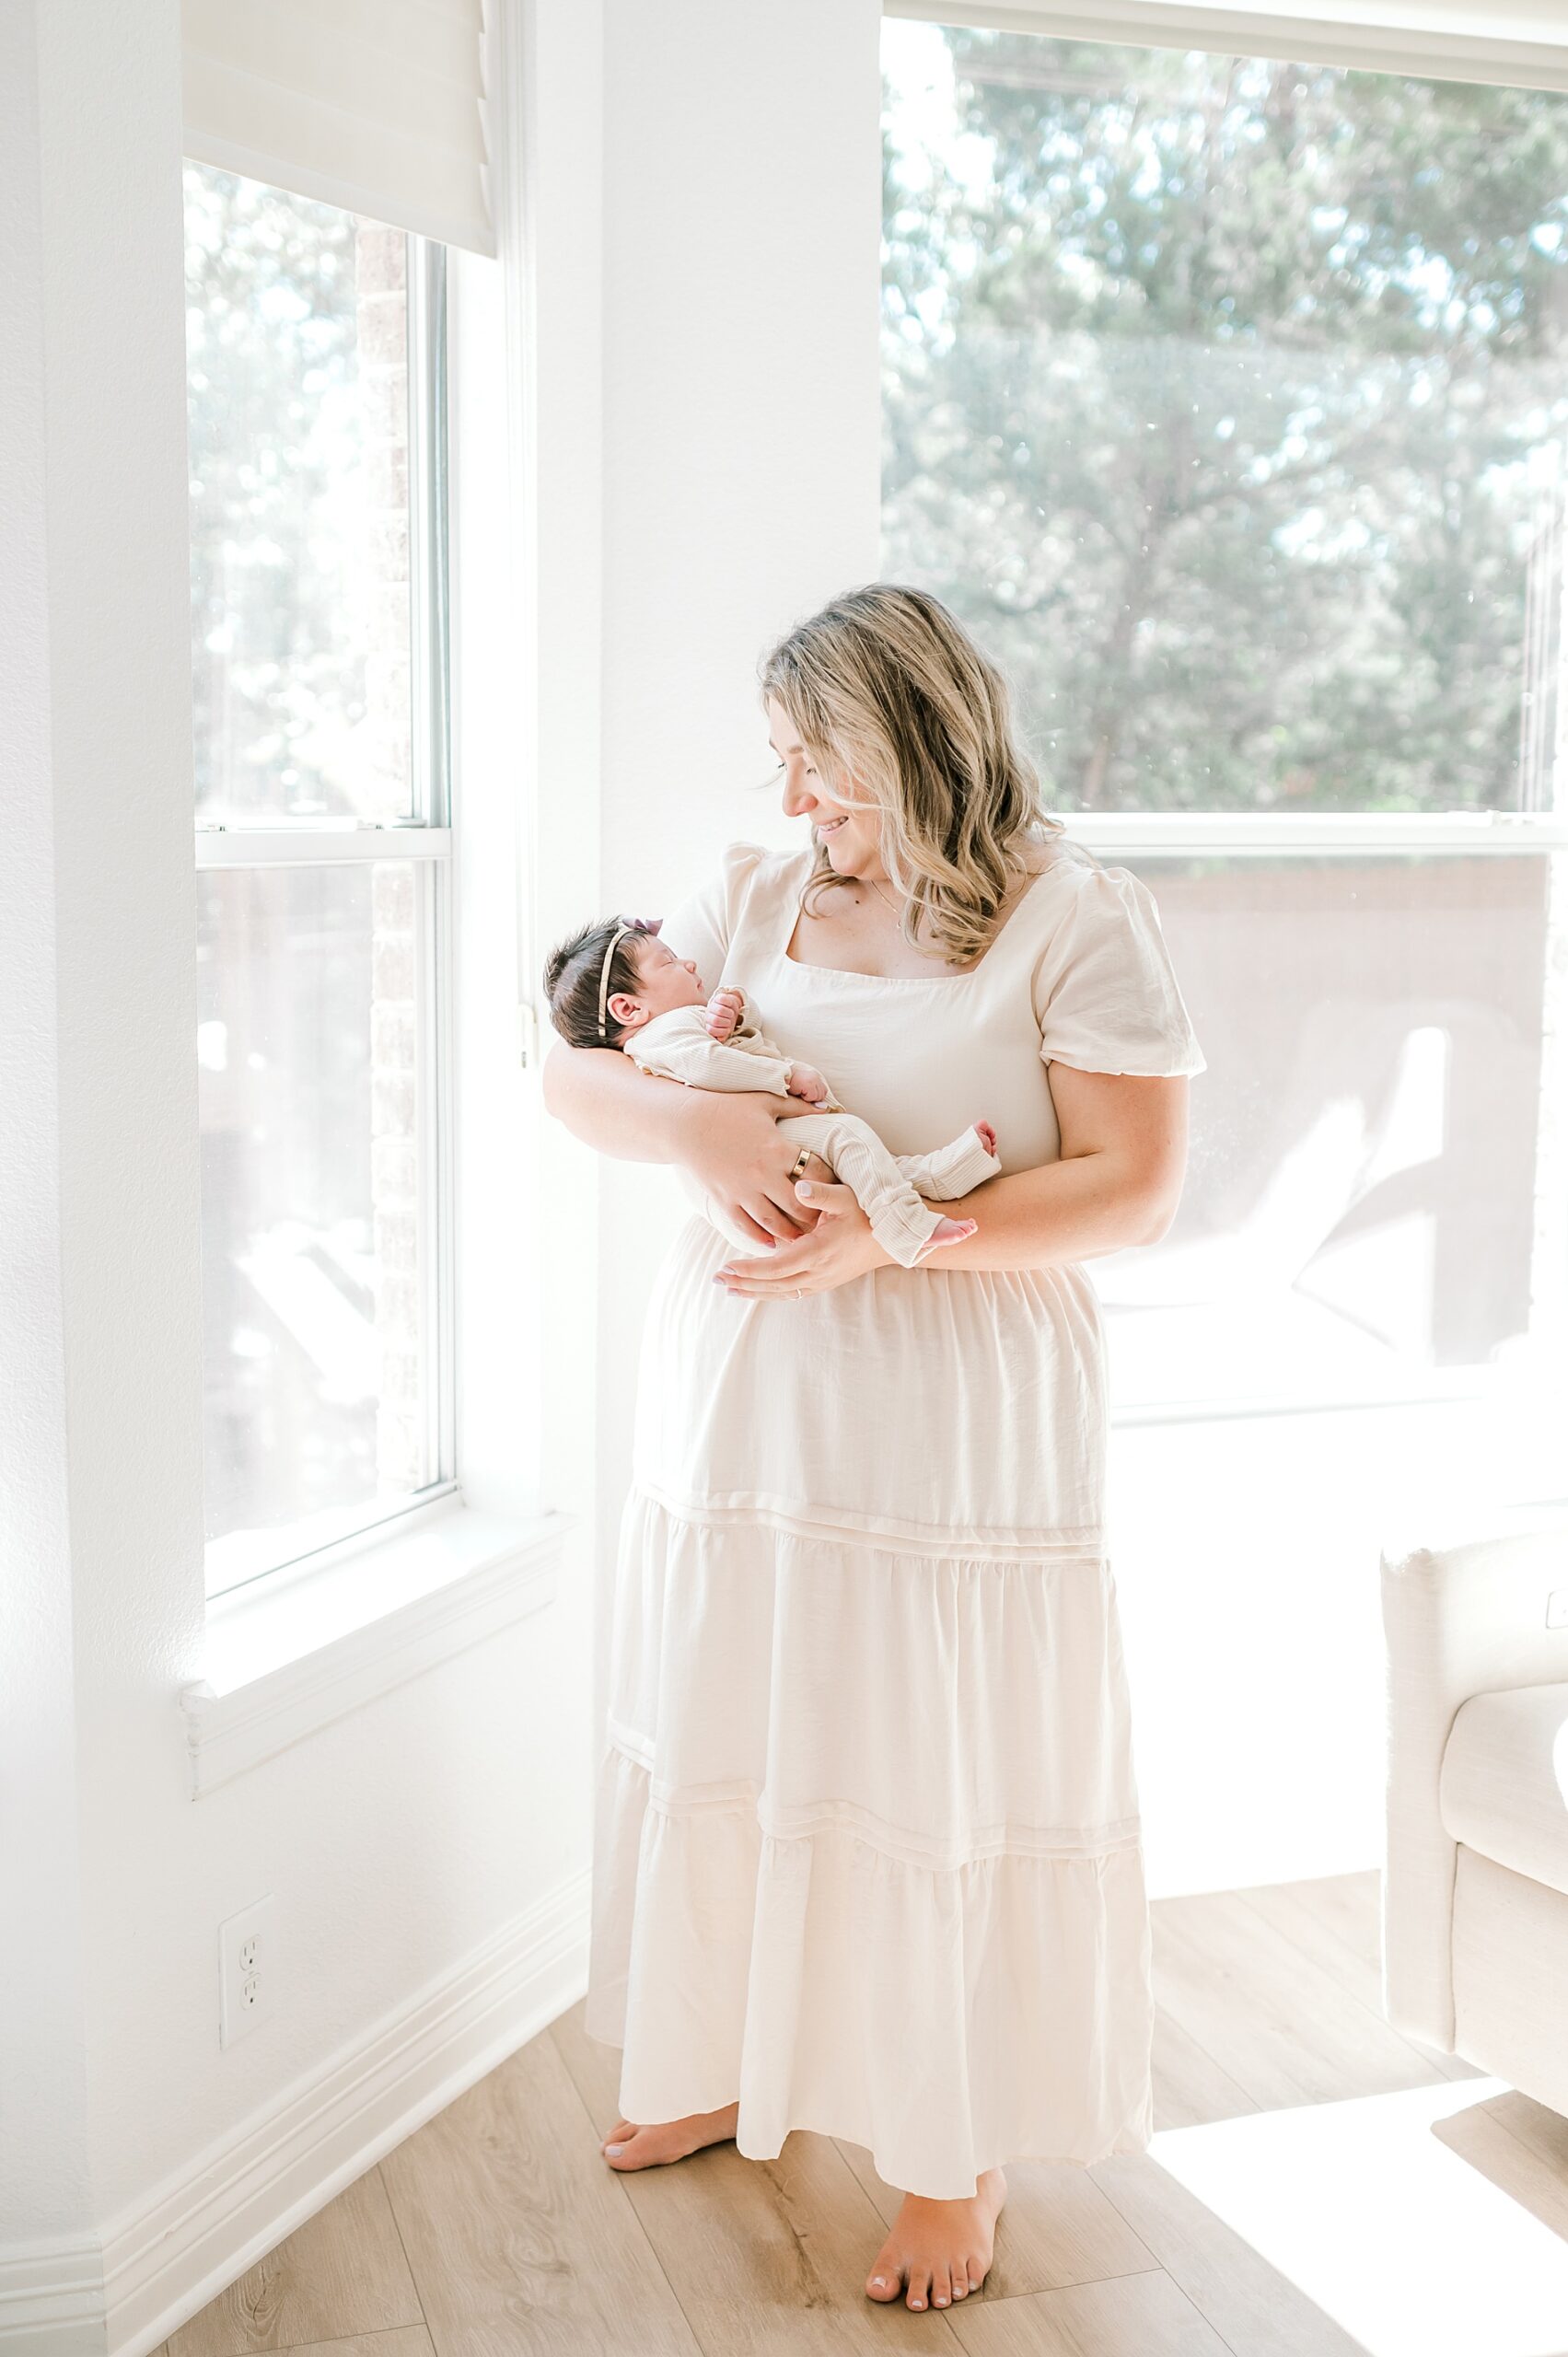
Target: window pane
x=298, y=345
x=1352, y=1338
x=1225, y=400
x=310, y=983
x=1377, y=1200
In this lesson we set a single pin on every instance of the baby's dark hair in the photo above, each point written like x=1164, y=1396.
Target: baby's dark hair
x=571, y=973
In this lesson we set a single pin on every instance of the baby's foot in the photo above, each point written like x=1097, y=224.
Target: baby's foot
x=947, y=1231
x=986, y=1135
x=628, y=2146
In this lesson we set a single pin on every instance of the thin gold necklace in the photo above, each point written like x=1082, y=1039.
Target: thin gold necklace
x=894, y=905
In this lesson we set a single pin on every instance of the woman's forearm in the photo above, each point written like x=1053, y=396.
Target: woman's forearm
x=1071, y=1210
x=603, y=1097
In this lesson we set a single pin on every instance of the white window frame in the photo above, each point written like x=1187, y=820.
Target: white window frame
x=292, y=1650
x=422, y=842
x=1449, y=40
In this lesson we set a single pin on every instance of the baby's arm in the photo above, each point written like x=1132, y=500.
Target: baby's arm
x=678, y=1046
x=728, y=1017
x=804, y=1080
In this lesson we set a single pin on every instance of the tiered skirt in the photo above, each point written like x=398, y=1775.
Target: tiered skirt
x=867, y=1850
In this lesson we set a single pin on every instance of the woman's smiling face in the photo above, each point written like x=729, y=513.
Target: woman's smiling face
x=852, y=835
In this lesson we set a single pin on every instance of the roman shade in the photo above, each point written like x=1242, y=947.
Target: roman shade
x=374, y=105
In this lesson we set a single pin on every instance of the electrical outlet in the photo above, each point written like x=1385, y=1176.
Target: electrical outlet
x=247, y=1969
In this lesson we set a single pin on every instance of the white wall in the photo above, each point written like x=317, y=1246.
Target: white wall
x=694, y=436
x=101, y=1342
x=742, y=196
x=42, y=2075
x=402, y=1838
x=693, y=439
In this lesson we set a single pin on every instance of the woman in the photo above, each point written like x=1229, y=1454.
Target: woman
x=867, y=1856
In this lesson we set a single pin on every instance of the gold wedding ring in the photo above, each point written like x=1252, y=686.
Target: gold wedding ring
x=801, y=1160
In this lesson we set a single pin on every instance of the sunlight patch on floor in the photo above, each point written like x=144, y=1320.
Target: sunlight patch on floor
x=1364, y=2207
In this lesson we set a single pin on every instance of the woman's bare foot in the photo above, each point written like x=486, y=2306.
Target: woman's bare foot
x=941, y=2250
x=628, y=2146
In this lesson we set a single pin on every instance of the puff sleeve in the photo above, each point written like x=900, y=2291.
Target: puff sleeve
x=702, y=925
x=1105, y=993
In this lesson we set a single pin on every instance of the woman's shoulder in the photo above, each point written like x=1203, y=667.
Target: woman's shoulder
x=1057, y=854
x=741, y=889
x=748, y=861
x=740, y=868
x=754, y=874
x=1103, y=986
x=1089, y=890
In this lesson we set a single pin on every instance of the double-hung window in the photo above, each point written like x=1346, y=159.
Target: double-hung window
x=324, y=914
x=1226, y=401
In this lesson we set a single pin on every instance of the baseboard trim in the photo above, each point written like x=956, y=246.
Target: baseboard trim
x=161, y=2263
x=51, y=2298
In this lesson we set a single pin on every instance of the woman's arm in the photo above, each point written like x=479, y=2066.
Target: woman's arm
x=1118, y=1182
x=729, y=1141
x=600, y=1096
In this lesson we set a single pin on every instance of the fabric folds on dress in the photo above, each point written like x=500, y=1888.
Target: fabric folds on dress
x=867, y=1853
x=912, y=1914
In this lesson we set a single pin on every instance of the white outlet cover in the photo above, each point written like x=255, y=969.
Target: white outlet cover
x=247, y=1969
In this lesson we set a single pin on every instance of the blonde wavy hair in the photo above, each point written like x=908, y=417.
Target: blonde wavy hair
x=904, y=715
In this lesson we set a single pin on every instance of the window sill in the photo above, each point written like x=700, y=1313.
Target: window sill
x=280, y=1666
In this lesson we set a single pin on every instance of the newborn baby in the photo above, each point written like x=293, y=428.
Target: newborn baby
x=617, y=985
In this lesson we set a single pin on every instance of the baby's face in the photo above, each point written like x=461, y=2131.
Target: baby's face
x=664, y=981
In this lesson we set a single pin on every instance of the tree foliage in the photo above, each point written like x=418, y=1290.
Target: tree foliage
x=1224, y=399
x=276, y=495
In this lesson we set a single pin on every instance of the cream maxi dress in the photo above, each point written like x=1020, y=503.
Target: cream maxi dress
x=867, y=1850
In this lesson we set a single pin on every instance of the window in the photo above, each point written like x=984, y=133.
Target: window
x=316, y=396
x=1229, y=397
x=1226, y=401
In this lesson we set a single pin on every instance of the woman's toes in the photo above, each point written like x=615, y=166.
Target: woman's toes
x=631, y=2146
x=941, y=2287
x=883, y=2281
x=919, y=2288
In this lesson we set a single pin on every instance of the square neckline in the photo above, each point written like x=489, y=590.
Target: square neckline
x=911, y=981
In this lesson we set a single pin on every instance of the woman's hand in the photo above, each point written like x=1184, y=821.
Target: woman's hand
x=730, y=1143
x=840, y=1246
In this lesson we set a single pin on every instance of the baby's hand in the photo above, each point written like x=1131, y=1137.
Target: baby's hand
x=804, y=1082
x=724, y=1012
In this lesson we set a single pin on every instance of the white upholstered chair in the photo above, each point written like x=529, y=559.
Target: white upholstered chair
x=1475, y=1890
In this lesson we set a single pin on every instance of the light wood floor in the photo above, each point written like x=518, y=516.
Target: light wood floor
x=498, y=2227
